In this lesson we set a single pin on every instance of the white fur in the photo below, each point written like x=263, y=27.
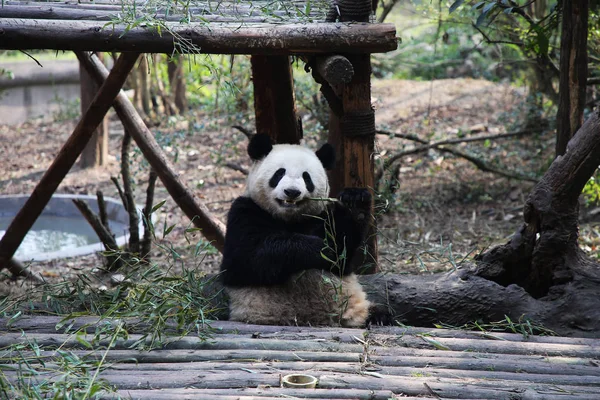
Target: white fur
x=311, y=297
x=296, y=160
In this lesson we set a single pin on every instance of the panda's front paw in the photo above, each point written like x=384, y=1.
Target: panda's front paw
x=358, y=200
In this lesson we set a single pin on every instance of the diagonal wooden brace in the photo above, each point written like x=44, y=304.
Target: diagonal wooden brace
x=63, y=162
x=198, y=213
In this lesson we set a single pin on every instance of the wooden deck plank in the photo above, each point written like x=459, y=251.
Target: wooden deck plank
x=243, y=361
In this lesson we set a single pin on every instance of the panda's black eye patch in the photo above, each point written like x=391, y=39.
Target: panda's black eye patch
x=310, y=186
x=274, y=181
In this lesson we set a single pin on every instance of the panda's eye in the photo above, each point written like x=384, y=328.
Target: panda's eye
x=274, y=181
x=310, y=186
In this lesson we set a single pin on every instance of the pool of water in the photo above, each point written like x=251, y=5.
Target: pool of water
x=54, y=233
x=61, y=231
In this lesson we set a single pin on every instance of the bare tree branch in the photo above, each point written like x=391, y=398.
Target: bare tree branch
x=439, y=145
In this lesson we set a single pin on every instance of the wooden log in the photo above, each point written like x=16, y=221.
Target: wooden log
x=383, y=373
x=186, y=343
x=198, y=213
x=271, y=39
x=405, y=365
x=186, y=356
x=225, y=11
x=237, y=394
x=458, y=388
x=447, y=388
x=334, y=69
x=274, y=99
x=230, y=329
x=65, y=159
x=95, y=153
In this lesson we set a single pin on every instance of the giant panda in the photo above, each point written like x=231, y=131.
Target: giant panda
x=287, y=257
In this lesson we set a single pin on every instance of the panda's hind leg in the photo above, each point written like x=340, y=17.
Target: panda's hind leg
x=355, y=309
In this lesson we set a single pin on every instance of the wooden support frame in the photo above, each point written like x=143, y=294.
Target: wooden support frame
x=198, y=213
x=274, y=99
x=214, y=38
x=65, y=159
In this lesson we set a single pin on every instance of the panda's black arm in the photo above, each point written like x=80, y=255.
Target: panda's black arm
x=351, y=223
x=260, y=250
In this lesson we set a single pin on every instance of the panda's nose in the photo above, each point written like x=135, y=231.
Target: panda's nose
x=291, y=193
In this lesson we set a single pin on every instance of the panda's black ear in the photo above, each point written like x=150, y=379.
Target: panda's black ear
x=260, y=145
x=327, y=156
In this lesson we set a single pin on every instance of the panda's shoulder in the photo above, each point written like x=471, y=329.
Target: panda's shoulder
x=246, y=206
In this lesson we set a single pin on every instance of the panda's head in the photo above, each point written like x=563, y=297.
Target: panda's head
x=285, y=176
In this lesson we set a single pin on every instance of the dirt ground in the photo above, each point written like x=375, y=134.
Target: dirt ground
x=444, y=212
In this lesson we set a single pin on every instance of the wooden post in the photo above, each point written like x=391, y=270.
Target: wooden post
x=353, y=136
x=95, y=153
x=198, y=213
x=352, y=126
x=274, y=100
x=65, y=159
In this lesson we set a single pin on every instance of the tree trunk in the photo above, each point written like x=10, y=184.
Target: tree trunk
x=177, y=82
x=573, y=71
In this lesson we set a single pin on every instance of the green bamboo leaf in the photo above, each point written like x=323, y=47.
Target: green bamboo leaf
x=455, y=5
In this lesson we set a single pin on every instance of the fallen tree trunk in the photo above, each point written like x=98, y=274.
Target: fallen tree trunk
x=541, y=273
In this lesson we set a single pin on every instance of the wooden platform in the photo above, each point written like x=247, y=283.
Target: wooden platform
x=247, y=361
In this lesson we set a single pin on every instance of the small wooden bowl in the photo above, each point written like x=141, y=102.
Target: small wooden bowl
x=299, y=381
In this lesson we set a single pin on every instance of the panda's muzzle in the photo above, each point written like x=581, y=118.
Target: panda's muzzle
x=292, y=198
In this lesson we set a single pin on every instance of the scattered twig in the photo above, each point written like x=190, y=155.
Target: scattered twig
x=245, y=131
x=484, y=166
x=237, y=167
x=16, y=268
x=431, y=392
x=594, y=81
x=439, y=145
x=32, y=57
x=407, y=136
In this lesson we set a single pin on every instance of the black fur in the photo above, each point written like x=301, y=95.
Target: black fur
x=310, y=186
x=327, y=156
x=277, y=176
x=261, y=250
x=260, y=145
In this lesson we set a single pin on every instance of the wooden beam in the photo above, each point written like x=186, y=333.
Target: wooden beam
x=198, y=213
x=65, y=159
x=214, y=38
x=95, y=153
x=274, y=100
